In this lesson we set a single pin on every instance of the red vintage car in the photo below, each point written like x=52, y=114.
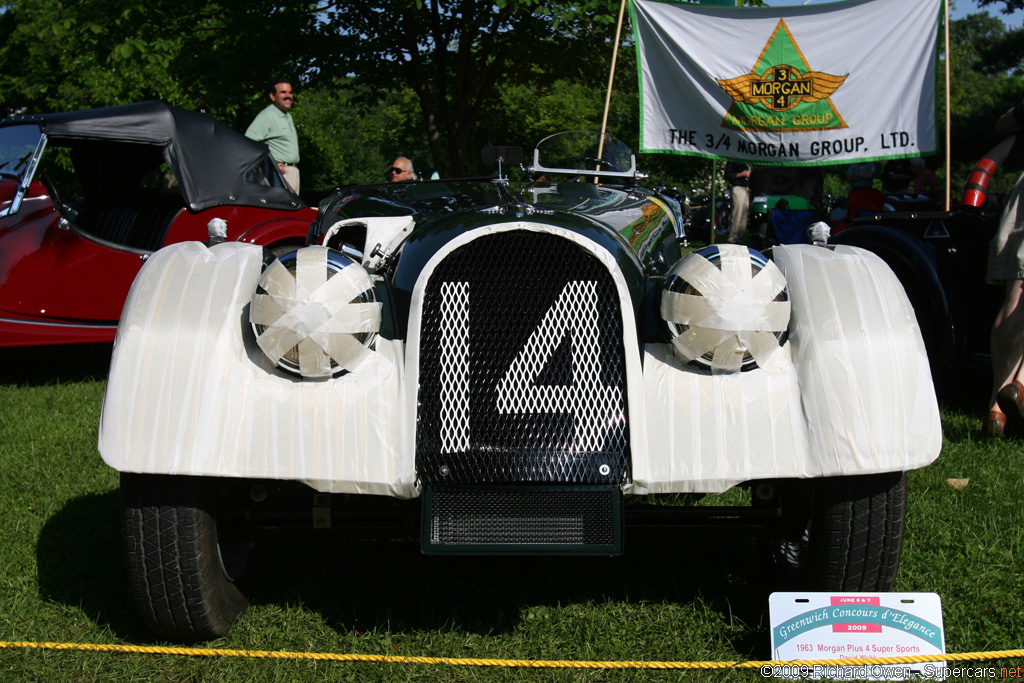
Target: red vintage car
x=132, y=179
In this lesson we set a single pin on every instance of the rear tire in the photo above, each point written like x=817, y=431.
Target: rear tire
x=182, y=568
x=839, y=533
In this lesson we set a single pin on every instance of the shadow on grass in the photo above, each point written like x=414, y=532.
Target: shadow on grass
x=965, y=389
x=395, y=588
x=41, y=365
x=81, y=562
x=392, y=587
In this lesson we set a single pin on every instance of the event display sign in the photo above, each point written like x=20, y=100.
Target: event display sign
x=839, y=626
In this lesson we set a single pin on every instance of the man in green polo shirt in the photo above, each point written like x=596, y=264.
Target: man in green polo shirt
x=275, y=127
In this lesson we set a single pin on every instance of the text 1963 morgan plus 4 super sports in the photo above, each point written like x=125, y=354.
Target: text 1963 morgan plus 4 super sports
x=518, y=361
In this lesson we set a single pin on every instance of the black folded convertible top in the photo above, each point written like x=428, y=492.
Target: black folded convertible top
x=209, y=159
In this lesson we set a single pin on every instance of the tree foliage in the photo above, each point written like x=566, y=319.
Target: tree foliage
x=434, y=80
x=980, y=91
x=465, y=58
x=349, y=137
x=1007, y=51
x=1008, y=6
x=58, y=56
x=460, y=56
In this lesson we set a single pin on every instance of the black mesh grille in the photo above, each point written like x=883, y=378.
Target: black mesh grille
x=520, y=520
x=522, y=375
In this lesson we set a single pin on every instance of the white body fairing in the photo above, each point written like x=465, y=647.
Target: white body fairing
x=189, y=392
x=851, y=393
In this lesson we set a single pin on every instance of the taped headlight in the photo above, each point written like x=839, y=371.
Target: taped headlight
x=315, y=313
x=726, y=308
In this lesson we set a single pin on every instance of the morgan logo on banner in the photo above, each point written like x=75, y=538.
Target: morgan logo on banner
x=787, y=95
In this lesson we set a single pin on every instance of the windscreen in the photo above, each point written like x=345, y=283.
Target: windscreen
x=583, y=152
x=17, y=144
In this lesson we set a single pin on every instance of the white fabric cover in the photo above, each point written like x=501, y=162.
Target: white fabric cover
x=851, y=394
x=733, y=312
x=387, y=231
x=190, y=393
x=818, y=233
x=217, y=229
x=865, y=384
x=315, y=310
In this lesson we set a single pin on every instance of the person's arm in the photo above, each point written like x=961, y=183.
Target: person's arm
x=257, y=130
x=734, y=170
x=1012, y=121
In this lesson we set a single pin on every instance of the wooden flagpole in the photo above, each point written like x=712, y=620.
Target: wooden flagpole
x=611, y=79
x=949, y=68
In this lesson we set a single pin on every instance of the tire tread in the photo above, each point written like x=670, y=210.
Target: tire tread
x=174, y=569
x=860, y=531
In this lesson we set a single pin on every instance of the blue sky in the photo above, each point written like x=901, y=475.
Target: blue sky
x=958, y=9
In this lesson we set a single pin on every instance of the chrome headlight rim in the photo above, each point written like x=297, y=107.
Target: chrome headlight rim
x=334, y=263
x=677, y=284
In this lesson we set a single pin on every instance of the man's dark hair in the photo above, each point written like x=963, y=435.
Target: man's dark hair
x=276, y=82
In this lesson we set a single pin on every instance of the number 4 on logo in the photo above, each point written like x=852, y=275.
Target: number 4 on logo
x=574, y=313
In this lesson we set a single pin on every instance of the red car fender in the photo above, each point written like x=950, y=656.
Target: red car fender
x=280, y=230
x=245, y=224
x=52, y=275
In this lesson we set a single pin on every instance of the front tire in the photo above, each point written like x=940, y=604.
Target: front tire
x=182, y=568
x=838, y=533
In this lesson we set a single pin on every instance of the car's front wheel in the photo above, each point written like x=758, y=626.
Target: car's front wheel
x=837, y=533
x=183, y=567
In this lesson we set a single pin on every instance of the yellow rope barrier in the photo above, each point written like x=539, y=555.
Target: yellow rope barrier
x=523, y=663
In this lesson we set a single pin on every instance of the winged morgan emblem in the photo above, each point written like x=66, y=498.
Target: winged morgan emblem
x=781, y=88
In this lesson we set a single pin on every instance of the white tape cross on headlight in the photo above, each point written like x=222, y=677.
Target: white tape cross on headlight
x=315, y=313
x=734, y=313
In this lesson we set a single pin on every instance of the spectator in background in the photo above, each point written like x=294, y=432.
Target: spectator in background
x=896, y=176
x=863, y=199
x=1006, y=266
x=400, y=170
x=738, y=176
x=924, y=179
x=861, y=175
x=275, y=127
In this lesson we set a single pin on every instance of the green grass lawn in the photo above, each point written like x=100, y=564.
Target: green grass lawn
x=62, y=576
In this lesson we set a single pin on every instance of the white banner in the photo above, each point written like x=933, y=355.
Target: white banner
x=808, y=85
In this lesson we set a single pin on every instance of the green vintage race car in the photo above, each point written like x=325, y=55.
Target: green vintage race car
x=507, y=366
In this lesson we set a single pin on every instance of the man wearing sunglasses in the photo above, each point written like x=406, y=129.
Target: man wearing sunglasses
x=400, y=170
